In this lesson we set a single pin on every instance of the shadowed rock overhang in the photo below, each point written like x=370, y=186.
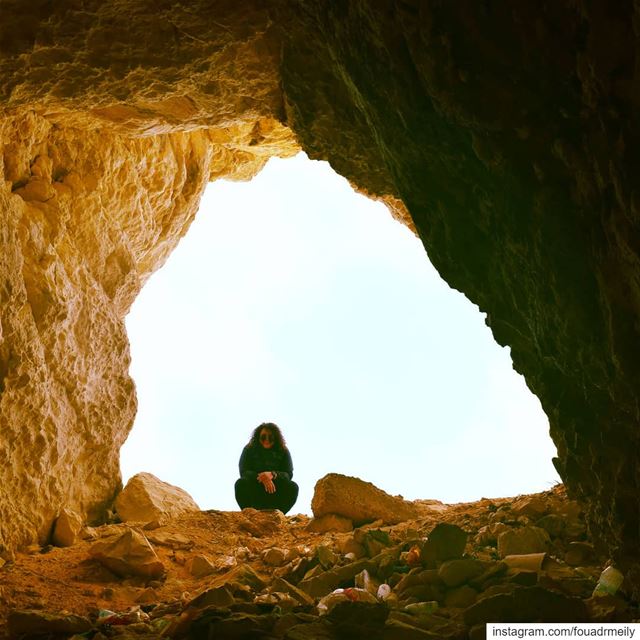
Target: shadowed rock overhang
x=506, y=135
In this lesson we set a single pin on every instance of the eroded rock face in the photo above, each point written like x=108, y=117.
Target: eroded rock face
x=508, y=132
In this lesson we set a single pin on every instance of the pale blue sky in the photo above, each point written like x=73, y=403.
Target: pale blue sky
x=295, y=300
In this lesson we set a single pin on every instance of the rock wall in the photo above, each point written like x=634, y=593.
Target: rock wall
x=508, y=132
x=104, y=159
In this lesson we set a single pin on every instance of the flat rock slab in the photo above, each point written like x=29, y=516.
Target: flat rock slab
x=148, y=499
x=359, y=501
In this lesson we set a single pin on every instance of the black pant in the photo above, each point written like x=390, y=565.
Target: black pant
x=251, y=493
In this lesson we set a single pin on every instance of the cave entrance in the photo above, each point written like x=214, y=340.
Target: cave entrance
x=295, y=300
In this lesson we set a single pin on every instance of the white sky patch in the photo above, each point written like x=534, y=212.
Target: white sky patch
x=295, y=300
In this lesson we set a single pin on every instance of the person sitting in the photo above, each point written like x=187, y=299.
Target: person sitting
x=266, y=470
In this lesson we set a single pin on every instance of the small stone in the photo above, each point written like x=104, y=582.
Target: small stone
x=533, y=507
x=418, y=577
x=200, y=566
x=461, y=597
x=457, y=572
x=349, y=545
x=488, y=536
x=128, y=554
x=326, y=556
x=29, y=623
x=330, y=522
x=274, y=557
x=67, y=529
x=579, y=553
x=216, y=596
x=283, y=586
x=445, y=542
x=147, y=596
x=553, y=524
x=172, y=540
x=523, y=541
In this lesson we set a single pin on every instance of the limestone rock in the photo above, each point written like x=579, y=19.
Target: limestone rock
x=274, y=557
x=330, y=522
x=523, y=541
x=445, y=542
x=358, y=501
x=461, y=597
x=533, y=507
x=200, y=566
x=29, y=623
x=261, y=523
x=128, y=554
x=279, y=584
x=215, y=596
x=67, y=529
x=579, y=553
x=456, y=572
x=147, y=498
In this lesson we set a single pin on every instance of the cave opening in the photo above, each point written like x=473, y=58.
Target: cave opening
x=295, y=300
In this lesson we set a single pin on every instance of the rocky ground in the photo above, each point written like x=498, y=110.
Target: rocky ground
x=250, y=574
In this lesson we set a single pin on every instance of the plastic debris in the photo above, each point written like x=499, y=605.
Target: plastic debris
x=135, y=614
x=384, y=591
x=344, y=595
x=609, y=582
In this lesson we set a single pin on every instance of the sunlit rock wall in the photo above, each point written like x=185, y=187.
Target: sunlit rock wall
x=507, y=130
x=114, y=122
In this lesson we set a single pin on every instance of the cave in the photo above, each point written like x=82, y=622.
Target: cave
x=504, y=135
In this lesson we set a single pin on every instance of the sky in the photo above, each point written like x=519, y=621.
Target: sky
x=292, y=299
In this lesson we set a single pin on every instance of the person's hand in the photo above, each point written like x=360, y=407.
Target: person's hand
x=266, y=479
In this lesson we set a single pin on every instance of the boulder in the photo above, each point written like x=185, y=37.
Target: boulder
x=359, y=501
x=445, y=542
x=523, y=541
x=128, y=554
x=147, y=498
x=67, y=529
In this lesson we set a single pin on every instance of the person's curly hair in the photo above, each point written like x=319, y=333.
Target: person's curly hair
x=279, y=441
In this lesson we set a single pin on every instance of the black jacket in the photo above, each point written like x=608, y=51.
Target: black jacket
x=255, y=460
